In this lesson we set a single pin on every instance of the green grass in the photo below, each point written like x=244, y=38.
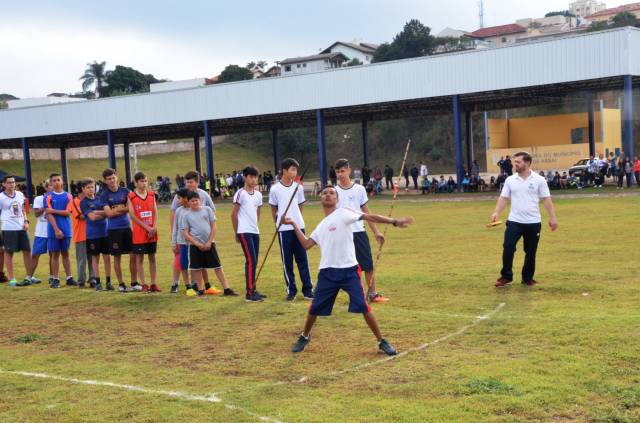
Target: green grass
x=227, y=157
x=565, y=350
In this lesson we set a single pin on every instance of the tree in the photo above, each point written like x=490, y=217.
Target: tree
x=234, y=73
x=415, y=40
x=261, y=63
x=94, y=75
x=598, y=26
x=353, y=62
x=624, y=19
x=4, y=104
x=564, y=13
x=124, y=80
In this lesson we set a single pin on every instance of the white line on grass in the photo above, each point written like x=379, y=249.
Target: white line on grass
x=213, y=398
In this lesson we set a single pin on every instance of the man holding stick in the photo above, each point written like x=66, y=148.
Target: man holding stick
x=338, y=264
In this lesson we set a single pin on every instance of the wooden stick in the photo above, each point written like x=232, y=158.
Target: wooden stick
x=393, y=202
x=264, y=260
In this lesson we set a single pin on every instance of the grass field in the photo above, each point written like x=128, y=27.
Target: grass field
x=227, y=157
x=565, y=350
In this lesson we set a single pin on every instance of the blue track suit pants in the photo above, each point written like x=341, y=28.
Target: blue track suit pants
x=250, y=244
x=290, y=247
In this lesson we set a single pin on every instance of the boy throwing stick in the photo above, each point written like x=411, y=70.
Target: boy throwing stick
x=338, y=265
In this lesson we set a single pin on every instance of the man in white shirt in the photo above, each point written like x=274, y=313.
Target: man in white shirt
x=525, y=189
x=14, y=229
x=338, y=264
x=40, y=234
x=424, y=172
x=279, y=197
x=354, y=196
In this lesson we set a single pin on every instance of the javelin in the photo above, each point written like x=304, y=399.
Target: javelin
x=393, y=202
x=264, y=260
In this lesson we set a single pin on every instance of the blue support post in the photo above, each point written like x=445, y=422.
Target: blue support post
x=486, y=131
x=276, y=150
x=196, y=153
x=457, y=137
x=209, y=156
x=111, y=150
x=64, y=168
x=591, y=125
x=365, y=142
x=127, y=163
x=469, y=139
x=26, y=158
x=322, y=148
x=627, y=117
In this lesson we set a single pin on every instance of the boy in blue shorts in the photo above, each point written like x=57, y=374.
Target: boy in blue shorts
x=97, y=242
x=58, y=209
x=179, y=246
x=338, y=265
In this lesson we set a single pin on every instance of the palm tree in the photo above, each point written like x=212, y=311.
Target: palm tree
x=94, y=74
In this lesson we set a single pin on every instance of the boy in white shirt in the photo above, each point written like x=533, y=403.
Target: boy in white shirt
x=338, y=265
x=245, y=218
x=40, y=234
x=279, y=197
x=14, y=229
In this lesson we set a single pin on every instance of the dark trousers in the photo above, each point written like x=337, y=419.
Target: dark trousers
x=290, y=247
x=250, y=244
x=389, y=182
x=530, y=232
x=415, y=182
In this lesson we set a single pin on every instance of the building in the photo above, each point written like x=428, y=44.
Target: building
x=451, y=33
x=53, y=98
x=500, y=36
x=177, y=85
x=606, y=14
x=271, y=72
x=584, y=8
x=315, y=63
x=361, y=51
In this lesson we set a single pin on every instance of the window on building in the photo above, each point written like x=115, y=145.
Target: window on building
x=298, y=65
x=504, y=39
x=304, y=65
x=287, y=68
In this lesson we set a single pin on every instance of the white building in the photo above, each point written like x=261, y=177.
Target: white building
x=315, y=63
x=361, y=51
x=177, y=85
x=583, y=8
x=43, y=101
x=451, y=33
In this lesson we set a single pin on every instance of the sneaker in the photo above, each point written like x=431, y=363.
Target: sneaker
x=261, y=294
x=122, y=288
x=13, y=282
x=253, y=298
x=301, y=343
x=502, y=282
x=386, y=347
x=97, y=286
x=25, y=282
x=109, y=287
x=191, y=292
x=55, y=283
x=228, y=292
x=201, y=293
x=145, y=288
x=135, y=287
x=213, y=291
x=3, y=278
x=308, y=296
x=291, y=298
x=92, y=283
x=81, y=284
x=35, y=281
x=530, y=282
x=377, y=298
x=154, y=288
x=71, y=282
x=174, y=289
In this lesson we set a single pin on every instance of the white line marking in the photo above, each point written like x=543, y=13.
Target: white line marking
x=213, y=398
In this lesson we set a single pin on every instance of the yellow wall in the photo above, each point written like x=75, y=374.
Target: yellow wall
x=549, y=137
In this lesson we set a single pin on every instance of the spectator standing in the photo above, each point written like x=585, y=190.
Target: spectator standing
x=414, y=175
x=636, y=169
x=388, y=176
x=333, y=176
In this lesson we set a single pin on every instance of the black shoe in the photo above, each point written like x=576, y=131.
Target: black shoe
x=386, y=347
x=291, y=298
x=3, y=278
x=308, y=296
x=228, y=292
x=174, y=289
x=122, y=288
x=55, y=283
x=301, y=343
x=260, y=294
x=109, y=287
x=253, y=298
x=92, y=283
x=81, y=285
x=201, y=293
x=98, y=287
x=71, y=282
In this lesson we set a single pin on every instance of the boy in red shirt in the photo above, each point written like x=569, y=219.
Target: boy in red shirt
x=144, y=216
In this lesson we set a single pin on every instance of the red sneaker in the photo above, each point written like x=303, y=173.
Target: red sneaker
x=502, y=282
x=530, y=282
x=145, y=288
x=155, y=288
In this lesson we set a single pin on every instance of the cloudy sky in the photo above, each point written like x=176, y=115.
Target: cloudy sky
x=45, y=45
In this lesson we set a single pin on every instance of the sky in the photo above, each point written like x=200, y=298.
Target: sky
x=46, y=45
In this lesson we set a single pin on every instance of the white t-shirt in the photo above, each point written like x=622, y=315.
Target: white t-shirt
x=42, y=222
x=280, y=195
x=525, y=195
x=248, y=213
x=334, y=236
x=423, y=170
x=353, y=198
x=12, y=211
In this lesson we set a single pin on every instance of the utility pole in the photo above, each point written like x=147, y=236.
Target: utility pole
x=481, y=12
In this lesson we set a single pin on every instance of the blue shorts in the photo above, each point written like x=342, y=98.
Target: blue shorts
x=184, y=257
x=55, y=245
x=39, y=246
x=330, y=282
x=363, y=251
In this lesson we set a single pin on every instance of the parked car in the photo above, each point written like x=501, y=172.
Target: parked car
x=580, y=168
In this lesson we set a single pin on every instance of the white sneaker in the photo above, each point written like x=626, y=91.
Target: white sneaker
x=136, y=288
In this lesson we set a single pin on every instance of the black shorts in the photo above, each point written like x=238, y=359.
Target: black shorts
x=363, y=251
x=147, y=248
x=97, y=246
x=15, y=241
x=203, y=259
x=119, y=241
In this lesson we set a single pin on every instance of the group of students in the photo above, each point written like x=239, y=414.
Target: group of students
x=119, y=222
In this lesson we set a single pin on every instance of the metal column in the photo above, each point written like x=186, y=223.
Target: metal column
x=592, y=125
x=322, y=148
x=26, y=154
x=276, y=150
x=196, y=154
x=627, y=117
x=111, y=150
x=64, y=168
x=127, y=163
x=469, y=139
x=457, y=138
x=208, y=144
x=365, y=143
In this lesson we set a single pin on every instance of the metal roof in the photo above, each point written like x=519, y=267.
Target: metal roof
x=532, y=73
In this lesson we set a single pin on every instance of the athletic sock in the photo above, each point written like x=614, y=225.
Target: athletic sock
x=207, y=285
x=97, y=280
x=69, y=278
